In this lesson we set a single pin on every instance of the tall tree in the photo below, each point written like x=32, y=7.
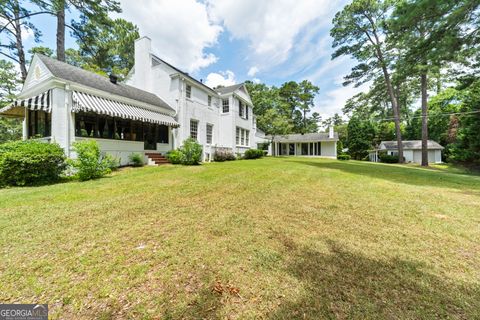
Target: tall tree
x=108, y=45
x=360, y=30
x=307, y=92
x=95, y=10
x=10, y=129
x=274, y=124
x=14, y=19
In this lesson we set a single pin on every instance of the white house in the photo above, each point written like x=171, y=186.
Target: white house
x=64, y=104
x=309, y=144
x=218, y=118
x=412, y=151
x=155, y=112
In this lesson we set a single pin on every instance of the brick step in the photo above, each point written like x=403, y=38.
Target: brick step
x=157, y=158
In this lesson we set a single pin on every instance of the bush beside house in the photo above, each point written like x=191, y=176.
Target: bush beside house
x=136, y=159
x=253, y=154
x=89, y=163
x=223, y=155
x=30, y=163
x=190, y=153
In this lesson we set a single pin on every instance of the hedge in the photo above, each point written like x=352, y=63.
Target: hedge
x=30, y=162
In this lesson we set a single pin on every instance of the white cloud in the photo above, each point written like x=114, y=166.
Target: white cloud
x=226, y=78
x=256, y=80
x=272, y=27
x=180, y=30
x=334, y=100
x=252, y=71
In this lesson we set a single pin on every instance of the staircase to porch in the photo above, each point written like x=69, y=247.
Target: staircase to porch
x=156, y=158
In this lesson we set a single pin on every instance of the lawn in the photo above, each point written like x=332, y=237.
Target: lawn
x=277, y=238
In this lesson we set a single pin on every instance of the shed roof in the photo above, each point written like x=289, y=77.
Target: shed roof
x=410, y=145
x=306, y=137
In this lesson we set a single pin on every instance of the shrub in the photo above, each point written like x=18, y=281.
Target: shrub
x=386, y=158
x=30, y=163
x=89, y=164
x=174, y=156
x=253, y=154
x=136, y=159
x=343, y=156
x=223, y=155
x=111, y=162
x=191, y=152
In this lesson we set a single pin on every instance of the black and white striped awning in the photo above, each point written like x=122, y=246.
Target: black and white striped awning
x=40, y=103
x=89, y=103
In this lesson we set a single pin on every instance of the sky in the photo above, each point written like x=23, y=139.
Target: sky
x=224, y=42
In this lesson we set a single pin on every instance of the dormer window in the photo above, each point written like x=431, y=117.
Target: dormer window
x=188, y=91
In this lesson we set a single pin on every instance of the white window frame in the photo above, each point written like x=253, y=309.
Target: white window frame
x=225, y=103
x=242, y=136
x=194, y=129
x=247, y=137
x=209, y=135
x=188, y=91
x=237, y=135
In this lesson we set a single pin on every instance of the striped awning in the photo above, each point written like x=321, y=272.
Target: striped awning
x=89, y=103
x=39, y=103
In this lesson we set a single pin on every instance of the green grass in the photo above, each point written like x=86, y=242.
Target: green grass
x=277, y=238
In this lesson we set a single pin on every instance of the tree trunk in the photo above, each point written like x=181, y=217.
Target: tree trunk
x=396, y=113
x=423, y=79
x=61, y=30
x=19, y=42
x=391, y=93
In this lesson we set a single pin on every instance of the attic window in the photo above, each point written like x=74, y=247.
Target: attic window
x=209, y=101
x=225, y=106
x=189, y=91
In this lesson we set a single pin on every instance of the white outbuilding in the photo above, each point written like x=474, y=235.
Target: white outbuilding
x=412, y=151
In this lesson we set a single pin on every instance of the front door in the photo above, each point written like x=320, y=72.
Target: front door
x=150, y=137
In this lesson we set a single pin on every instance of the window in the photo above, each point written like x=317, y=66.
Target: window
x=209, y=101
x=162, y=134
x=225, y=106
x=188, y=91
x=247, y=137
x=246, y=112
x=194, y=129
x=209, y=133
x=242, y=136
x=39, y=124
x=240, y=108
x=88, y=124
x=238, y=136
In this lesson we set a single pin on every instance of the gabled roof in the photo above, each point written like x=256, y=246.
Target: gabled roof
x=77, y=75
x=307, y=137
x=410, y=145
x=186, y=75
x=229, y=89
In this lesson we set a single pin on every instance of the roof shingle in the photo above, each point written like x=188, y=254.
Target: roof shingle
x=71, y=73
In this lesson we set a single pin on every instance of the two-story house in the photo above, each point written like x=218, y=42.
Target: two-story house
x=220, y=118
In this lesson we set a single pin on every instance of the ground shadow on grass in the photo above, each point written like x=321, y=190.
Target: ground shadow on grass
x=347, y=285
x=399, y=174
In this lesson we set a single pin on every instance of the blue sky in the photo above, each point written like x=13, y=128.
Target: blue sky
x=230, y=41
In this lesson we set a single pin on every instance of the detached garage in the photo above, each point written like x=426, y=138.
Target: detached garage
x=412, y=151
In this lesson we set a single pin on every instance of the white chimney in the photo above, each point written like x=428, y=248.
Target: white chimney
x=330, y=132
x=143, y=63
